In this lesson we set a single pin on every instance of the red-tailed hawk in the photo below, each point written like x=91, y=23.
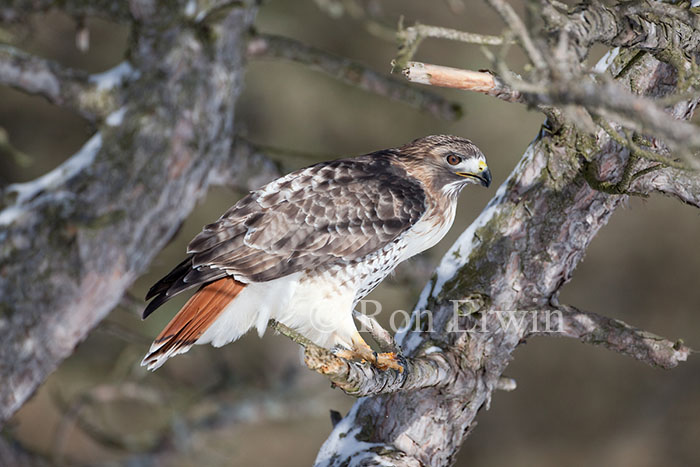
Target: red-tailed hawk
x=306, y=247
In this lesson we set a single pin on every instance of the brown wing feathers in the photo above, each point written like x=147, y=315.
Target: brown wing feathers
x=332, y=212
x=200, y=311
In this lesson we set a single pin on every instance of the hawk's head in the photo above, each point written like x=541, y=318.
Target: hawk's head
x=446, y=163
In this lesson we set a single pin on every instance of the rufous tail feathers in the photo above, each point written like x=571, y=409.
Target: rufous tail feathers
x=188, y=325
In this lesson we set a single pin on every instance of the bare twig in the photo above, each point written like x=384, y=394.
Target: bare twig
x=370, y=20
x=635, y=150
x=290, y=333
x=513, y=21
x=411, y=37
x=352, y=73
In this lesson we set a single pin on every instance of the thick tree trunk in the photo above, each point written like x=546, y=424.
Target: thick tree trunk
x=515, y=256
x=74, y=240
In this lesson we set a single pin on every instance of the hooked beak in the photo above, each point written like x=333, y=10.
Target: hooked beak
x=484, y=176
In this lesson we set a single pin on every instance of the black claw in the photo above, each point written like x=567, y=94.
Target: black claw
x=402, y=361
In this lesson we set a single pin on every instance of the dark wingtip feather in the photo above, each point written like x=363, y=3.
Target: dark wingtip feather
x=181, y=278
x=164, y=284
x=154, y=305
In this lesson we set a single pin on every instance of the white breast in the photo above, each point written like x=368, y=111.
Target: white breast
x=427, y=232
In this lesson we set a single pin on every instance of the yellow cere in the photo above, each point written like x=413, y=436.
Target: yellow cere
x=482, y=165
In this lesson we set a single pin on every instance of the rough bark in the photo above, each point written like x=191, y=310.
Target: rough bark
x=515, y=256
x=74, y=240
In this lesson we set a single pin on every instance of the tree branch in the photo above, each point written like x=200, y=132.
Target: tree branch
x=612, y=334
x=362, y=379
x=247, y=168
x=483, y=82
x=639, y=27
x=91, y=97
x=352, y=73
x=682, y=185
x=516, y=25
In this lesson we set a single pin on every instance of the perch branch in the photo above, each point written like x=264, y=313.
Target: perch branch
x=362, y=379
x=352, y=73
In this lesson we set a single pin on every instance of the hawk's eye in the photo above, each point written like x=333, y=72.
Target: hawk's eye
x=453, y=159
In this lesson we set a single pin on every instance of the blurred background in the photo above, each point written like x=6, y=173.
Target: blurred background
x=253, y=402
